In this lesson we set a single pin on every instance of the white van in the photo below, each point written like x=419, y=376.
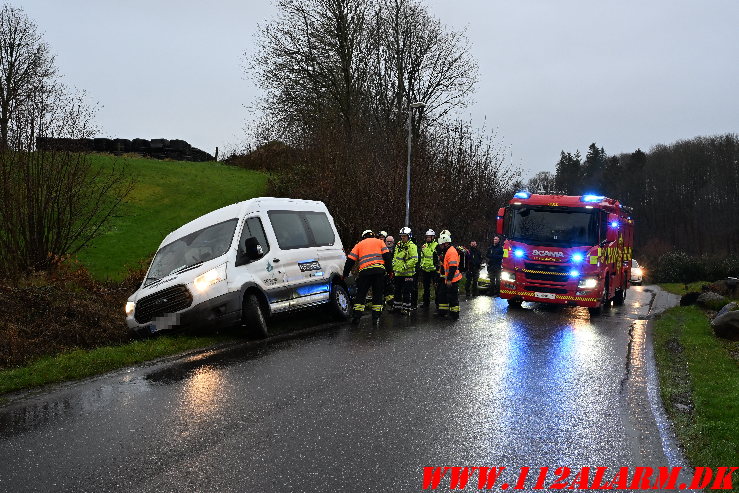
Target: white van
x=240, y=264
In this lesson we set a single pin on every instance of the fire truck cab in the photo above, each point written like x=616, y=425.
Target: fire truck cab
x=567, y=250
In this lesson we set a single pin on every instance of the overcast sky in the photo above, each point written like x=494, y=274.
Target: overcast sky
x=554, y=74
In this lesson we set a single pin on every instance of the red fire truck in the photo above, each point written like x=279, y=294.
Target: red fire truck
x=568, y=250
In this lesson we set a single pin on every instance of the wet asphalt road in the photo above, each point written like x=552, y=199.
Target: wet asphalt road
x=356, y=409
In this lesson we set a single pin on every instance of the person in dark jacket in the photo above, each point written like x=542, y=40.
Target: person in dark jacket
x=494, y=258
x=473, y=270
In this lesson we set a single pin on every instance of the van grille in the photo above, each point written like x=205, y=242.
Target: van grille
x=546, y=272
x=169, y=300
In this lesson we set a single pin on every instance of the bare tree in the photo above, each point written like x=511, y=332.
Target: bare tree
x=418, y=60
x=26, y=66
x=52, y=202
x=543, y=181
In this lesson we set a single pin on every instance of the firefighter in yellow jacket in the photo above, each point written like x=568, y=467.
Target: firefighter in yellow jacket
x=450, y=276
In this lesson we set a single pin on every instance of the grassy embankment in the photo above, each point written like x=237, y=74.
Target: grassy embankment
x=699, y=384
x=167, y=194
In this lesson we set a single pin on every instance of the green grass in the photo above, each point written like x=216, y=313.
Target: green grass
x=681, y=289
x=167, y=194
x=699, y=371
x=84, y=363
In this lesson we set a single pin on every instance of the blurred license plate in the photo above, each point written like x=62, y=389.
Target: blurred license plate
x=549, y=296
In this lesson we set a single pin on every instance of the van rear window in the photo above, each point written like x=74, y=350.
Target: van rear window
x=321, y=228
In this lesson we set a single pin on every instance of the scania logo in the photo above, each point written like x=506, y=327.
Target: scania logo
x=547, y=253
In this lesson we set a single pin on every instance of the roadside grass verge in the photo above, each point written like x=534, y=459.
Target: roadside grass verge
x=699, y=384
x=680, y=288
x=82, y=363
x=166, y=195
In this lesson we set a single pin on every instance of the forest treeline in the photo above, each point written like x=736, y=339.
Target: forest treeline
x=685, y=195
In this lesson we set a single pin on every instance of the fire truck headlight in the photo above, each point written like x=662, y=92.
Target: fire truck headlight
x=507, y=276
x=578, y=257
x=587, y=283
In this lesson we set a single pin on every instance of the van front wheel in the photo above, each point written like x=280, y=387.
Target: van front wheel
x=252, y=316
x=339, y=302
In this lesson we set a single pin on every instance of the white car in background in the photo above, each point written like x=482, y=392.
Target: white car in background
x=636, y=273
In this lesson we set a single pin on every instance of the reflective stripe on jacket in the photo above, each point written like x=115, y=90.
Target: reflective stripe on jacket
x=368, y=253
x=451, y=259
x=405, y=259
x=427, y=256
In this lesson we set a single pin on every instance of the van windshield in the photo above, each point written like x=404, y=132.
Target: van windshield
x=191, y=250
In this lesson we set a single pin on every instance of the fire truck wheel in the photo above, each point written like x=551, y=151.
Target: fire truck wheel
x=620, y=297
x=513, y=303
x=605, y=302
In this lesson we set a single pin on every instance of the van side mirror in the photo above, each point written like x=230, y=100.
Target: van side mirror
x=250, y=252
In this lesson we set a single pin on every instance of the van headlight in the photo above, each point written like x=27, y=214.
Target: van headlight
x=130, y=307
x=587, y=283
x=213, y=276
x=507, y=276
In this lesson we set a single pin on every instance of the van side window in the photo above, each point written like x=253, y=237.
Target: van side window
x=323, y=233
x=253, y=227
x=289, y=229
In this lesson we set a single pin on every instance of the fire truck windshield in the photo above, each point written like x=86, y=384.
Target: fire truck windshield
x=554, y=226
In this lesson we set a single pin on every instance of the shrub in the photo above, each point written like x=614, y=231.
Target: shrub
x=46, y=313
x=678, y=266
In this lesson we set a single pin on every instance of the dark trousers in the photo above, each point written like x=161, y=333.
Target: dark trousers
x=365, y=281
x=404, y=292
x=429, y=279
x=414, y=292
x=448, y=297
x=494, y=277
x=470, y=285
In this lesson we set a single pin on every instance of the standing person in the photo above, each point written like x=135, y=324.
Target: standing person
x=389, y=282
x=404, y=268
x=448, y=293
x=428, y=266
x=473, y=270
x=373, y=258
x=494, y=258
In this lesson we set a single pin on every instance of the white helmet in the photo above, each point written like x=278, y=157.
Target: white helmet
x=445, y=237
x=383, y=233
x=367, y=232
x=430, y=232
x=405, y=231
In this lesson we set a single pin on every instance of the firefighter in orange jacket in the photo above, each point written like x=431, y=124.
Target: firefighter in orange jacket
x=450, y=276
x=373, y=259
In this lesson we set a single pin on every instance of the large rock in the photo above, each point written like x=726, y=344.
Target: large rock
x=689, y=298
x=729, y=307
x=711, y=300
x=727, y=325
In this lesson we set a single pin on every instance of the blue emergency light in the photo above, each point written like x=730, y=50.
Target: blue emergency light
x=578, y=257
x=522, y=195
x=518, y=252
x=574, y=273
x=614, y=224
x=592, y=198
